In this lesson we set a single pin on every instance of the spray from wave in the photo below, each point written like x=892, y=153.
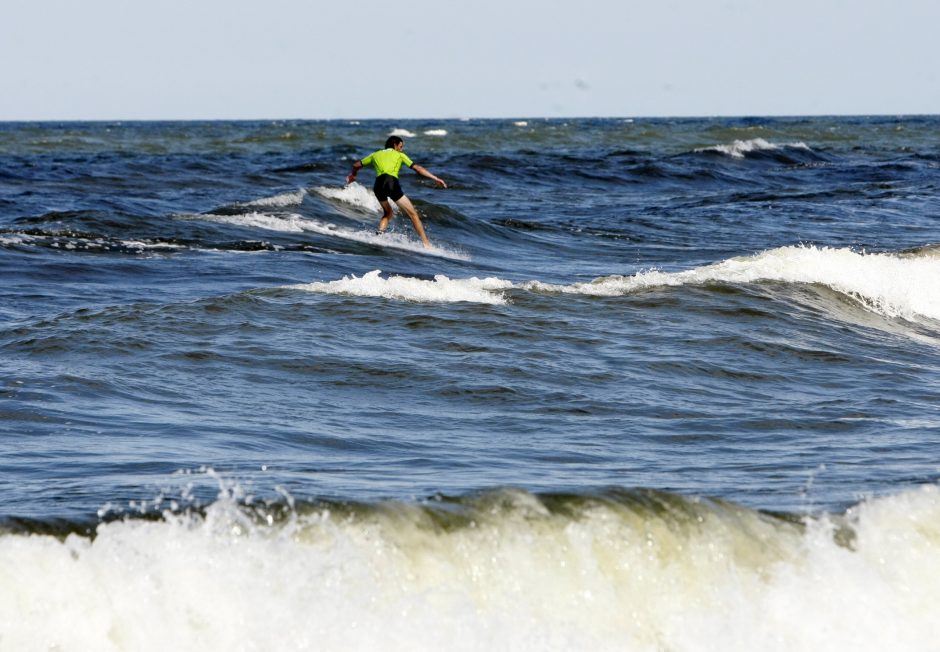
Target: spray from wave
x=625, y=570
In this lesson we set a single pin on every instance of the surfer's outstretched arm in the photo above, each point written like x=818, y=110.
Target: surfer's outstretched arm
x=424, y=173
x=355, y=170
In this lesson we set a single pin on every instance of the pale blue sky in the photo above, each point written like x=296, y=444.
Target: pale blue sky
x=223, y=59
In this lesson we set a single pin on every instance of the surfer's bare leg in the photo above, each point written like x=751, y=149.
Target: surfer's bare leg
x=405, y=204
x=386, y=216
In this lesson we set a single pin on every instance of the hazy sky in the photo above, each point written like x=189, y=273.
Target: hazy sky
x=208, y=59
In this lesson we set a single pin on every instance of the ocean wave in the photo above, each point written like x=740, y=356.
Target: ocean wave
x=278, y=201
x=402, y=133
x=15, y=239
x=625, y=570
x=441, y=290
x=290, y=223
x=925, y=251
x=741, y=148
x=71, y=242
x=366, y=208
x=355, y=194
x=87, y=243
x=888, y=284
x=294, y=223
x=891, y=285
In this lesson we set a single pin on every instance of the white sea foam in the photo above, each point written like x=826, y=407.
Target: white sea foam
x=387, y=240
x=282, y=223
x=401, y=133
x=293, y=223
x=16, y=239
x=354, y=194
x=740, y=148
x=282, y=200
x=435, y=132
x=137, y=244
x=441, y=290
x=891, y=285
x=521, y=123
x=60, y=241
x=518, y=578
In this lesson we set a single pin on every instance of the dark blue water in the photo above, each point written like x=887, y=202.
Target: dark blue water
x=658, y=382
x=156, y=317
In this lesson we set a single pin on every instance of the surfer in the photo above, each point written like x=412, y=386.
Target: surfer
x=387, y=162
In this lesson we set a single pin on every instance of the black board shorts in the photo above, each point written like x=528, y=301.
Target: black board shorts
x=387, y=187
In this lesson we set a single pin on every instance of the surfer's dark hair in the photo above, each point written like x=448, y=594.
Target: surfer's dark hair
x=392, y=141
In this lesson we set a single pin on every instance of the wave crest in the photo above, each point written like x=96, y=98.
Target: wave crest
x=285, y=199
x=741, y=148
x=638, y=570
x=354, y=194
x=891, y=285
x=441, y=289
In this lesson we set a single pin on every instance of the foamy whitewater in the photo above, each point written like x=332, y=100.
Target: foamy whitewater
x=889, y=285
x=508, y=570
x=659, y=384
x=409, y=289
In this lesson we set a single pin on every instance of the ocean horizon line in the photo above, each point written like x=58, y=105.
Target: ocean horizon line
x=353, y=119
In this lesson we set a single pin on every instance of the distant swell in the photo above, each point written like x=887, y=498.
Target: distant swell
x=758, y=146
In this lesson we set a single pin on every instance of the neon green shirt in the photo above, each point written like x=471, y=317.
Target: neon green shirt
x=387, y=161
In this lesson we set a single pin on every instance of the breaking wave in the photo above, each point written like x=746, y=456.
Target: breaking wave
x=741, y=148
x=621, y=570
x=888, y=284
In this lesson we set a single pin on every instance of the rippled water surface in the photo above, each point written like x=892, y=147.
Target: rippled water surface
x=734, y=308
x=685, y=334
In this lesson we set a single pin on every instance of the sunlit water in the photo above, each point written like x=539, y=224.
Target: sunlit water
x=658, y=382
